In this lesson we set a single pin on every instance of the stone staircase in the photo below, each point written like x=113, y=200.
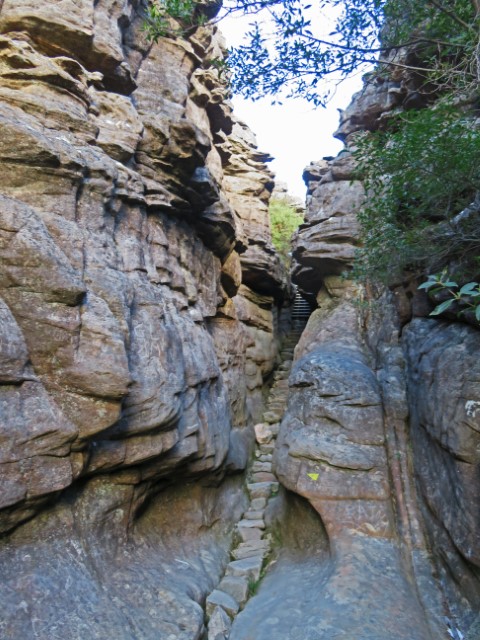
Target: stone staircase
x=252, y=542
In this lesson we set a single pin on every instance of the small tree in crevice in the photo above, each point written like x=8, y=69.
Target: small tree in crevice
x=284, y=221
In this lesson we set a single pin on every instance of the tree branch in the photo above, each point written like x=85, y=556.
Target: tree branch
x=453, y=15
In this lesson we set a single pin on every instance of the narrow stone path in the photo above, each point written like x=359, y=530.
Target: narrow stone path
x=314, y=587
x=252, y=542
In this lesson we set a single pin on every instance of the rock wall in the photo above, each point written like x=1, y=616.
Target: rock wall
x=383, y=406
x=140, y=300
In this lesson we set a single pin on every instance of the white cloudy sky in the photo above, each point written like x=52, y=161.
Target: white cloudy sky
x=295, y=133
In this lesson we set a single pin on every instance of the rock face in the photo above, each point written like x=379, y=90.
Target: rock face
x=382, y=426
x=139, y=305
x=444, y=398
x=325, y=243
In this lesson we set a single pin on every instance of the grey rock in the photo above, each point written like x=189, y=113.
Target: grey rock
x=250, y=567
x=219, y=625
x=251, y=548
x=235, y=586
x=262, y=489
x=221, y=599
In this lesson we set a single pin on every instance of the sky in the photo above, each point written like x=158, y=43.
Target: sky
x=294, y=133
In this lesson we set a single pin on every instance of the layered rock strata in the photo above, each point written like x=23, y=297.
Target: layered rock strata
x=140, y=299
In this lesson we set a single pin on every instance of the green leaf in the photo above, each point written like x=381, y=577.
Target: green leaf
x=427, y=284
x=468, y=288
x=442, y=307
x=477, y=313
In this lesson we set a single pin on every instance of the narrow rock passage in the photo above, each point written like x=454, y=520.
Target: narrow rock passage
x=254, y=544
x=289, y=580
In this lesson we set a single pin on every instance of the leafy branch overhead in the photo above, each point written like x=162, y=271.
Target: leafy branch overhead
x=291, y=47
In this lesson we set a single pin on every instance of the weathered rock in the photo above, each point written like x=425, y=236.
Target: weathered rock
x=325, y=244
x=263, y=433
x=219, y=625
x=236, y=586
x=249, y=567
x=134, y=343
x=221, y=599
x=444, y=401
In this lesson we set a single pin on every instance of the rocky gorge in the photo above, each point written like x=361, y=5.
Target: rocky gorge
x=151, y=486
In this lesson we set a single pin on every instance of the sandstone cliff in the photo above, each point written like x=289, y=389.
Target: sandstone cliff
x=383, y=406
x=140, y=302
x=140, y=315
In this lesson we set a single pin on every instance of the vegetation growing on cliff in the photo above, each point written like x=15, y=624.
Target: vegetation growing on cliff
x=284, y=221
x=419, y=175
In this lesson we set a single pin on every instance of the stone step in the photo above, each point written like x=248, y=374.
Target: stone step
x=258, y=503
x=264, y=457
x=251, y=548
x=254, y=515
x=262, y=489
x=236, y=587
x=249, y=534
x=261, y=466
x=221, y=599
x=278, y=394
x=264, y=432
x=277, y=405
x=268, y=447
x=250, y=567
x=263, y=476
x=251, y=524
x=271, y=417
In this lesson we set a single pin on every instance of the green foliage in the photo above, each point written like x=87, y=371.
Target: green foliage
x=445, y=38
x=289, y=53
x=172, y=18
x=463, y=299
x=284, y=221
x=418, y=176
x=286, y=51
